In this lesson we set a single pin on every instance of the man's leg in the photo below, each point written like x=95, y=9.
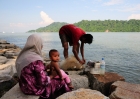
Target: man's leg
x=65, y=52
x=78, y=48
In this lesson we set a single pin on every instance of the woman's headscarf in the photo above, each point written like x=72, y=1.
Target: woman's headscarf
x=30, y=53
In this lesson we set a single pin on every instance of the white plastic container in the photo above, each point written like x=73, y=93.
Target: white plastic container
x=102, y=67
x=95, y=69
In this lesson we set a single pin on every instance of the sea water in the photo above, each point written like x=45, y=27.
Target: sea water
x=121, y=50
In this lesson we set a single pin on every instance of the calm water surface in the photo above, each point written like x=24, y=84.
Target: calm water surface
x=121, y=51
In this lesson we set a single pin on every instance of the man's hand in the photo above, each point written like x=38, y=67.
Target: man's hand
x=82, y=62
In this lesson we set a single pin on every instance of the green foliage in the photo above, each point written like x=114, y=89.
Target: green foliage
x=97, y=26
x=54, y=27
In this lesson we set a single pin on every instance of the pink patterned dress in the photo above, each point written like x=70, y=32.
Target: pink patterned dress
x=34, y=81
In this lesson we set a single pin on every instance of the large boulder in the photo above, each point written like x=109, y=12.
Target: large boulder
x=79, y=81
x=83, y=94
x=16, y=93
x=102, y=83
x=7, y=70
x=124, y=90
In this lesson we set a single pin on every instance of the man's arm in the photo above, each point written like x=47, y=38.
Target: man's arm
x=75, y=52
x=82, y=51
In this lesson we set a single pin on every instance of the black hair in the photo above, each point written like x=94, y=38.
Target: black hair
x=52, y=50
x=88, y=38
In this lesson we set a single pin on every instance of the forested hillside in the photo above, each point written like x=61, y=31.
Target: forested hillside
x=97, y=26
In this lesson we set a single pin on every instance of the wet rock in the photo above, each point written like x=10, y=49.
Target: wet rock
x=124, y=90
x=83, y=94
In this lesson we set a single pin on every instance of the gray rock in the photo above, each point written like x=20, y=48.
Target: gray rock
x=124, y=90
x=9, y=54
x=2, y=52
x=3, y=60
x=16, y=93
x=6, y=46
x=83, y=94
x=3, y=42
x=79, y=81
x=7, y=70
x=7, y=85
x=74, y=72
x=102, y=83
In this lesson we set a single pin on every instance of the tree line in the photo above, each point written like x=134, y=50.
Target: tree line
x=97, y=26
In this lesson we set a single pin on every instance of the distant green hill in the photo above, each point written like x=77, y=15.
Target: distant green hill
x=97, y=26
x=54, y=27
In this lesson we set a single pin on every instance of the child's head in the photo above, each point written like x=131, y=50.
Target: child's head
x=54, y=55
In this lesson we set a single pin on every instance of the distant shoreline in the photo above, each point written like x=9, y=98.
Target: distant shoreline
x=96, y=26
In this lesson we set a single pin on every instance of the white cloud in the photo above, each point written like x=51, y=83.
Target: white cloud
x=113, y=2
x=46, y=19
x=134, y=16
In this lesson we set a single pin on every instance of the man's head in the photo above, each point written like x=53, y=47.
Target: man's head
x=87, y=38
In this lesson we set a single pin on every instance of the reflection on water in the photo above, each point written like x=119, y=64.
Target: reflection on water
x=121, y=51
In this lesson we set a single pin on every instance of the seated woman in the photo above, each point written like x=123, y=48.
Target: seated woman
x=33, y=78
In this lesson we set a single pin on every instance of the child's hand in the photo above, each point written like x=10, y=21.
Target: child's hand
x=62, y=78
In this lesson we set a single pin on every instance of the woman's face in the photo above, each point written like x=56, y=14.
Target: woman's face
x=55, y=56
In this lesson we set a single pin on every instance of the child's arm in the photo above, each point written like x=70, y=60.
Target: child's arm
x=57, y=69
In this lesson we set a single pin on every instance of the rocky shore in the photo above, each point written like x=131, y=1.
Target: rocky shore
x=8, y=55
x=86, y=85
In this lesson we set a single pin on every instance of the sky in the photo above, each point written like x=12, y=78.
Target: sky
x=25, y=15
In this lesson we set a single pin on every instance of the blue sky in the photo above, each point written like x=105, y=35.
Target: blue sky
x=24, y=15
